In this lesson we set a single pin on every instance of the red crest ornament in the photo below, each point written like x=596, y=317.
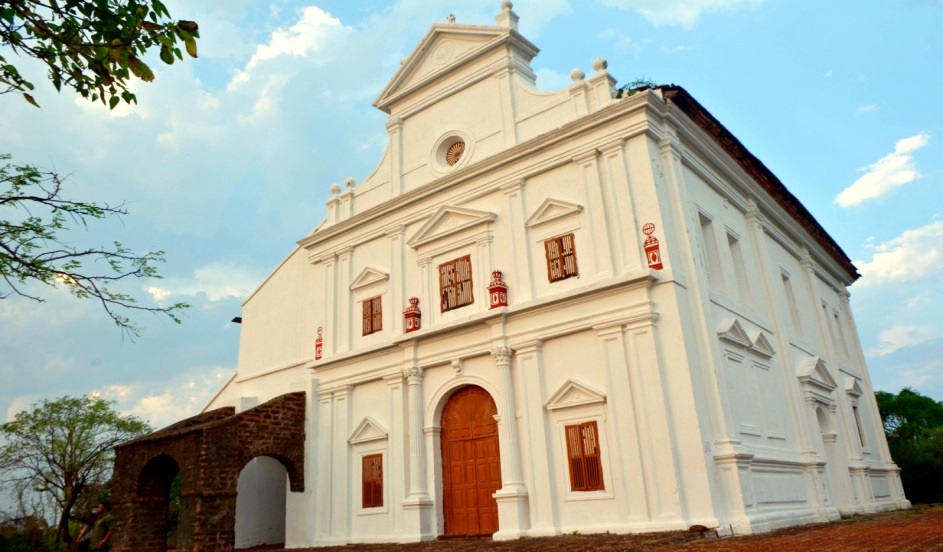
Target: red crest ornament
x=412, y=316
x=652, y=253
x=498, y=290
x=319, y=344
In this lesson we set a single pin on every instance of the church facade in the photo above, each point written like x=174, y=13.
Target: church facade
x=544, y=312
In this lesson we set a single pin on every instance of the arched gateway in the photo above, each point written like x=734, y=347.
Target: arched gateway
x=471, y=464
x=209, y=451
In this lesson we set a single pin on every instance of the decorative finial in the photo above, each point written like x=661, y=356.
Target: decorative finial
x=335, y=189
x=577, y=75
x=600, y=64
x=506, y=4
x=450, y=19
x=350, y=182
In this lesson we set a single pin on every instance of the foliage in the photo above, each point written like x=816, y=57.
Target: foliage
x=92, y=46
x=61, y=448
x=32, y=213
x=913, y=424
x=631, y=87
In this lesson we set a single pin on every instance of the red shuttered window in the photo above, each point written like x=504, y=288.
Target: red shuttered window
x=582, y=449
x=372, y=315
x=561, y=258
x=455, y=283
x=373, y=481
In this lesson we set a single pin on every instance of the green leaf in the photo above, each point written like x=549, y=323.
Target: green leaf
x=140, y=69
x=113, y=102
x=191, y=46
x=166, y=55
x=30, y=99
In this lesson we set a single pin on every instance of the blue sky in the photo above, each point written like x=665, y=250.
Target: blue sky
x=228, y=160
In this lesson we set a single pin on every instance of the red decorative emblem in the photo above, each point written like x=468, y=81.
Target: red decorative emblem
x=412, y=316
x=652, y=253
x=498, y=290
x=319, y=344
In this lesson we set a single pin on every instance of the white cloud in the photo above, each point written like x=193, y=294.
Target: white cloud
x=678, y=12
x=159, y=294
x=310, y=34
x=218, y=281
x=20, y=404
x=887, y=174
x=165, y=402
x=914, y=254
x=897, y=338
x=623, y=43
x=870, y=108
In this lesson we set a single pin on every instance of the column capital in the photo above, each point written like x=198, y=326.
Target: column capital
x=502, y=354
x=413, y=374
x=586, y=157
x=612, y=147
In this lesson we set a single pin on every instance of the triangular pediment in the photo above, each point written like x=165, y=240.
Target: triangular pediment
x=551, y=210
x=445, y=48
x=733, y=332
x=369, y=276
x=852, y=387
x=574, y=393
x=447, y=221
x=368, y=430
x=761, y=345
x=814, y=372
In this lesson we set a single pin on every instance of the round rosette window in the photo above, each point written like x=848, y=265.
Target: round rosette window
x=450, y=152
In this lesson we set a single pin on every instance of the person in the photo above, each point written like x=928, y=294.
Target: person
x=103, y=529
x=84, y=537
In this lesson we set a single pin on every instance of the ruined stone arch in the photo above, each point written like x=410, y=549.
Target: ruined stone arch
x=209, y=451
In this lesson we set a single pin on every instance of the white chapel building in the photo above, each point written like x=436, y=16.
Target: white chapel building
x=544, y=312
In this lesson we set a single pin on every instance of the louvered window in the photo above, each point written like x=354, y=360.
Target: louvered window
x=582, y=450
x=455, y=283
x=561, y=258
x=373, y=481
x=372, y=315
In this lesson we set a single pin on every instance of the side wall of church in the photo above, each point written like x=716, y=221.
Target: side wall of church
x=799, y=422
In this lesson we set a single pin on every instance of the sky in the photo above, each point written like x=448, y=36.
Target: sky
x=227, y=160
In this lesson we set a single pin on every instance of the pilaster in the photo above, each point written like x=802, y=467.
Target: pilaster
x=340, y=480
x=395, y=127
x=417, y=506
x=513, y=511
x=588, y=164
x=398, y=279
x=524, y=274
x=545, y=518
x=631, y=488
x=343, y=323
x=621, y=208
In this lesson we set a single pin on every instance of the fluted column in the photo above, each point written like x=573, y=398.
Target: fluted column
x=417, y=461
x=417, y=507
x=513, y=512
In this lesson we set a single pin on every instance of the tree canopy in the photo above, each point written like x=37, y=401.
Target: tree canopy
x=91, y=46
x=32, y=213
x=59, y=449
x=913, y=424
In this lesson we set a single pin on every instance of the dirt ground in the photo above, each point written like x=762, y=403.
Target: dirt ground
x=916, y=530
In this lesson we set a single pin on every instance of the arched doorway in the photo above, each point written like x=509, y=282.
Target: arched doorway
x=155, y=525
x=260, y=503
x=471, y=465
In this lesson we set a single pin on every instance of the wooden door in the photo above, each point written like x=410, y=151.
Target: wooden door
x=471, y=463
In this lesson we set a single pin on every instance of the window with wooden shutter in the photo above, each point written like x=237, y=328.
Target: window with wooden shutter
x=372, y=315
x=582, y=450
x=372, y=481
x=455, y=283
x=561, y=258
